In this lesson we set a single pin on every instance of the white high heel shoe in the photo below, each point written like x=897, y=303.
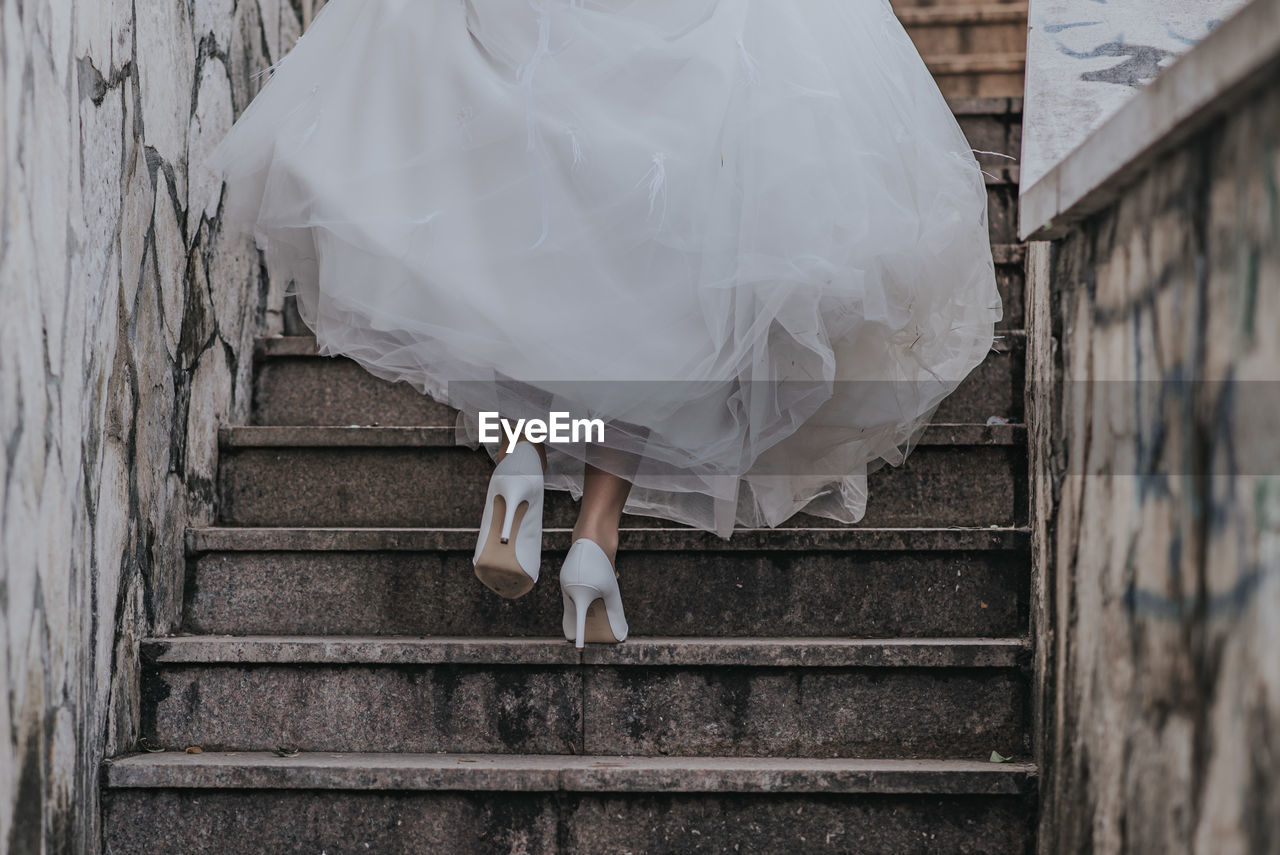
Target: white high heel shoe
x=588, y=583
x=507, y=558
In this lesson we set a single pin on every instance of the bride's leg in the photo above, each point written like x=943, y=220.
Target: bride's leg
x=589, y=585
x=603, y=497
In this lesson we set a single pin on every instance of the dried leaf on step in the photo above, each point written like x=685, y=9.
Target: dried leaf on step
x=285, y=751
x=194, y=749
x=997, y=757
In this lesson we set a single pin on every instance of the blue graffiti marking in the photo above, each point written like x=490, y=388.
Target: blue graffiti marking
x=1058, y=28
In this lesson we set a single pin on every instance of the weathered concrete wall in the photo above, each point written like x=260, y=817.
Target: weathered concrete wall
x=1086, y=57
x=1159, y=503
x=126, y=321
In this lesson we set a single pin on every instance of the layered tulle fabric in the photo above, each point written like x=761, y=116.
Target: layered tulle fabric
x=748, y=235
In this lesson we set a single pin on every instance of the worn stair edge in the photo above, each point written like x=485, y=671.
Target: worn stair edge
x=674, y=652
x=271, y=539
x=977, y=105
x=984, y=13
x=547, y=773
x=369, y=436
x=993, y=63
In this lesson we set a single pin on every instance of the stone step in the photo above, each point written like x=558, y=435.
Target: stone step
x=177, y=650
x=938, y=434
x=990, y=28
x=948, y=14
x=1002, y=201
x=415, y=476
x=295, y=386
x=975, y=65
x=979, y=76
x=1010, y=261
x=247, y=803
x=899, y=6
x=993, y=127
x=908, y=698
x=403, y=772
x=851, y=582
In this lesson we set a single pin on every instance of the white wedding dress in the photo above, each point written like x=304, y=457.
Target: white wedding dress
x=748, y=234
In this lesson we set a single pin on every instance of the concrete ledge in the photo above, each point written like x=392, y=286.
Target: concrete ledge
x=251, y=539
x=1200, y=86
x=525, y=773
x=675, y=652
x=362, y=436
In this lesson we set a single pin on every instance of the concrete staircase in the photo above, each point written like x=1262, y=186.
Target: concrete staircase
x=354, y=689
x=975, y=48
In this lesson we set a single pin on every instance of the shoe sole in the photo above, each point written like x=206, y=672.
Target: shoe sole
x=597, y=629
x=497, y=566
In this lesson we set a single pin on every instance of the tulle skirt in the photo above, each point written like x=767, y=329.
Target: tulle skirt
x=748, y=237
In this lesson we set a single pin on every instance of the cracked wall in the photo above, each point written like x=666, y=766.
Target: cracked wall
x=1154, y=388
x=126, y=328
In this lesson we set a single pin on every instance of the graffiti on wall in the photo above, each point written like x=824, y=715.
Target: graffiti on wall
x=1086, y=57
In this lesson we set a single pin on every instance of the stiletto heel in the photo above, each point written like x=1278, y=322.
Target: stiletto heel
x=581, y=598
x=508, y=519
x=506, y=559
x=592, y=601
